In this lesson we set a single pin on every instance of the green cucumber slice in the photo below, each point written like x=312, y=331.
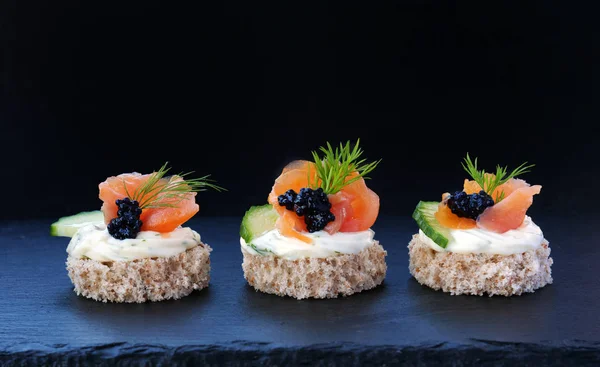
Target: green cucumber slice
x=424, y=214
x=67, y=226
x=258, y=220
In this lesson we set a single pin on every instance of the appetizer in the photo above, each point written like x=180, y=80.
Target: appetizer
x=480, y=240
x=135, y=248
x=313, y=237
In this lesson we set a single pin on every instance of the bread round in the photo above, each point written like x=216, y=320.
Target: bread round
x=151, y=279
x=309, y=277
x=480, y=274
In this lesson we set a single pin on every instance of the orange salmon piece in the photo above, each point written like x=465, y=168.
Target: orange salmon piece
x=340, y=208
x=294, y=176
x=472, y=187
x=510, y=212
x=153, y=219
x=450, y=220
x=365, y=207
x=355, y=207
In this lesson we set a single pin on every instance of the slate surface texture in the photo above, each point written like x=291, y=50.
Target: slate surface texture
x=43, y=322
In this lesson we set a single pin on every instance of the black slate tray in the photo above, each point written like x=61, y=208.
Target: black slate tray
x=43, y=322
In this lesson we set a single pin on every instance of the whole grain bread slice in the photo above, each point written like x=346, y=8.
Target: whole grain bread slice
x=152, y=279
x=330, y=277
x=480, y=274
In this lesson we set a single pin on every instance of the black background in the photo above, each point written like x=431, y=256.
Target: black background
x=238, y=89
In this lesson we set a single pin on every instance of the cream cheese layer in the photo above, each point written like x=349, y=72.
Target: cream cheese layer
x=323, y=244
x=94, y=242
x=477, y=240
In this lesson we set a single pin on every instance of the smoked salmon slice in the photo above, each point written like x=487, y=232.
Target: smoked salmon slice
x=510, y=212
x=160, y=219
x=355, y=207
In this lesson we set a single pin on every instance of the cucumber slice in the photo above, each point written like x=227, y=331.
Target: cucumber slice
x=424, y=214
x=67, y=226
x=258, y=220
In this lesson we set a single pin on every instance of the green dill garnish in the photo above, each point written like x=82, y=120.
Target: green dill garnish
x=334, y=167
x=262, y=252
x=168, y=193
x=489, y=183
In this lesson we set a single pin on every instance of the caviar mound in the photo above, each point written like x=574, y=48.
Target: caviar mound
x=486, y=211
x=354, y=208
x=127, y=224
x=469, y=205
x=162, y=219
x=311, y=204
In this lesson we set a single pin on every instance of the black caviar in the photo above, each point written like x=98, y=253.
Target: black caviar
x=469, y=205
x=127, y=224
x=313, y=205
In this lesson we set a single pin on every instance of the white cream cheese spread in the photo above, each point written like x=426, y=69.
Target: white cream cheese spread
x=323, y=244
x=94, y=242
x=527, y=237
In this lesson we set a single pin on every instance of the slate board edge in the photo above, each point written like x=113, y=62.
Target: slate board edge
x=477, y=352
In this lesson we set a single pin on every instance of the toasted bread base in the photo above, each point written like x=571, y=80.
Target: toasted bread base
x=480, y=274
x=329, y=277
x=152, y=279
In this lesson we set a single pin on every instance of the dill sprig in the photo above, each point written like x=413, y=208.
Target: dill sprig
x=260, y=251
x=489, y=183
x=334, y=167
x=156, y=193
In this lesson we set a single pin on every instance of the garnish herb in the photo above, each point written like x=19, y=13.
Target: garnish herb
x=262, y=252
x=156, y=193
x=334, y=167
x=489, y=183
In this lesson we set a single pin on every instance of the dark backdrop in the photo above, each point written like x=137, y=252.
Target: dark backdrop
x=238, y=89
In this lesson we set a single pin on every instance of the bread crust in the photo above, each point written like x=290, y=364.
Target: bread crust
x=329, y=277
x=137, y=281
x=480, y=274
